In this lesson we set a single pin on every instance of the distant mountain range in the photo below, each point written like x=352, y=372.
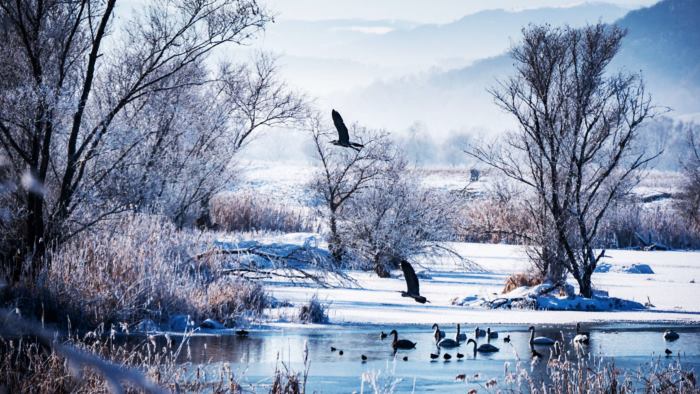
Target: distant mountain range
x=663, y=42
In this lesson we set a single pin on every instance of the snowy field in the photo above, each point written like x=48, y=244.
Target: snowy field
x=377, y=301
x=372, y=300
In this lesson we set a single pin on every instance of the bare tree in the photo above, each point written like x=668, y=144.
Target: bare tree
x=56, y=55
x=345, y=172
x=688, y=205
x=576, y=145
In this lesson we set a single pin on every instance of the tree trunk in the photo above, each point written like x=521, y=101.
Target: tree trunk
x=584, y=285
x=380, y=268
x=35, y=237
x=335, y=245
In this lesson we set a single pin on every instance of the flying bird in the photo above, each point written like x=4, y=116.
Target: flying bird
x=411, y=283
x=343, y=134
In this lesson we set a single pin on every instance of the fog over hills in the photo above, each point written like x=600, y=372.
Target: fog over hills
x=432, y=79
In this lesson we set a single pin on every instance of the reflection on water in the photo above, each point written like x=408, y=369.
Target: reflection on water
x=256, y=357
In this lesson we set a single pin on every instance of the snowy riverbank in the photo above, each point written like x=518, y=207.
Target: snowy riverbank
x=372, y=300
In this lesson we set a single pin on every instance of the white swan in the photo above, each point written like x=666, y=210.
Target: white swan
x=539, y=340
x=581, y=337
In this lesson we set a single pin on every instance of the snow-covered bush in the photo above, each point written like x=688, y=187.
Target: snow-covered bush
x=395, y=218
x=344, y=173
x=313, y=311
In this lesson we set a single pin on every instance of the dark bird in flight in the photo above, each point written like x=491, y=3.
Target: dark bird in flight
x=411, y=283
x=343, y=134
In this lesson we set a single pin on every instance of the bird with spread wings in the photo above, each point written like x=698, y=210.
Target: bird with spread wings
x=343, y=134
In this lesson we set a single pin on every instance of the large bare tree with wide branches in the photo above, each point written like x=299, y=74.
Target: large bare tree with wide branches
x=576, y=147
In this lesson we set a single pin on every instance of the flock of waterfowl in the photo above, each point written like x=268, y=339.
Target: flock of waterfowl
x=582, y=338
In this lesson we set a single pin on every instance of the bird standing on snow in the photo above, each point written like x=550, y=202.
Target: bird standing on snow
x=412, y=287
x=343, y=134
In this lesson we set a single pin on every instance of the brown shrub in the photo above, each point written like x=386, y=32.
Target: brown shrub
x=248, y=211
x=521, y=279
x=133, y=268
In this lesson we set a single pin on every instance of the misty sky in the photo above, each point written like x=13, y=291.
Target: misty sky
x=426, y=11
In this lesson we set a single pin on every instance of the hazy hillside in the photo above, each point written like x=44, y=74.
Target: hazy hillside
x=342, y=54
x=663, y=43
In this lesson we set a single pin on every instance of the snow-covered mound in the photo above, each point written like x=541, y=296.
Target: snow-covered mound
x=547, y=296
x=628, y=269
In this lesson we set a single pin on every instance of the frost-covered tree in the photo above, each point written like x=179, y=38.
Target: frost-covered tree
x=66, y=85
x=343, y=173
x=396, y=218
x=576, y=147
x=186, y=139
x=688, y=205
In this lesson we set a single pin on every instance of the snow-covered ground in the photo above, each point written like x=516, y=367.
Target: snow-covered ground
x=671, y=288
x=373, y=300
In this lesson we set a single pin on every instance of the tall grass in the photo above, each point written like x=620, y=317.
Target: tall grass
x=562, y=375
x=133, y=268
x=248, y=211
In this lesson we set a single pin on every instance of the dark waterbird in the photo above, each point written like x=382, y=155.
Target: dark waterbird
x=437, y=333
x=447, y=356
x=506, y=339
x=242, y=333
x=405, y=358
x=364, y=358
x=434, y=356
x=401, y=343
x=340, y=352
x=382, y=335
x=668, y=352
x=412, y=286
x=343, y=134
x=671, y=335
x=333, y=349
x=483, y=348
x=460, y=356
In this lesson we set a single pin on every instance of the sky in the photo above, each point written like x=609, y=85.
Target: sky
x=424, y=11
